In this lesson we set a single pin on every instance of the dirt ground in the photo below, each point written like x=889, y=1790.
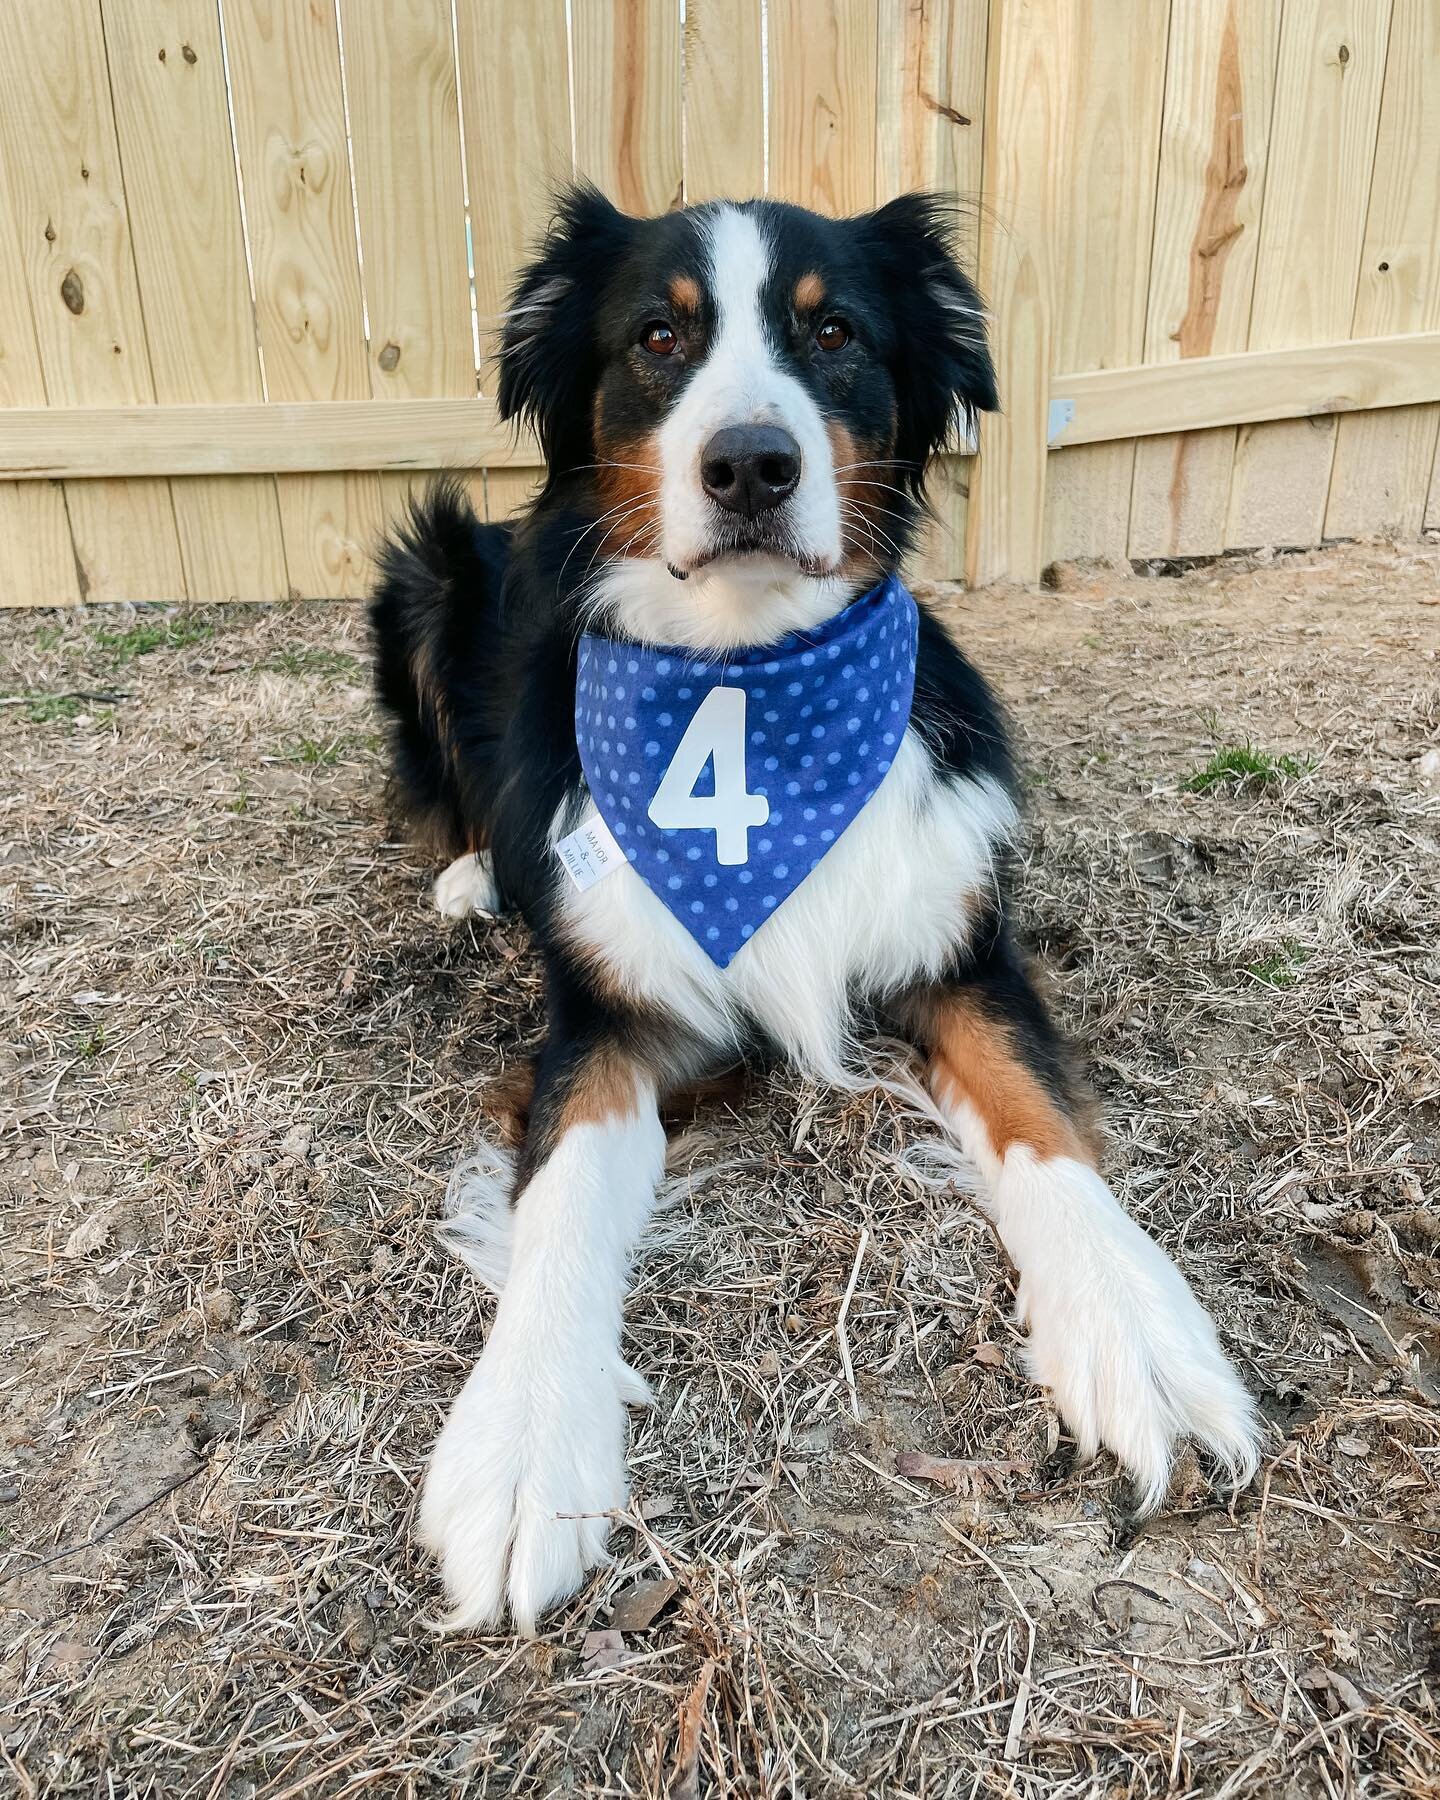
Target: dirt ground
x=239, y=1055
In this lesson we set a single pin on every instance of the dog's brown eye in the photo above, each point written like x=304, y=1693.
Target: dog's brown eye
x=659, y=339
x=834, y=334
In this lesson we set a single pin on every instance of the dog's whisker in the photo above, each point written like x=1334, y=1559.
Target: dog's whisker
x=615, y=516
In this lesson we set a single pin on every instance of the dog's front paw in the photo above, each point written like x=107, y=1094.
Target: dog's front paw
x=467, y=888
x=1128, y=1352
x=522, y=1482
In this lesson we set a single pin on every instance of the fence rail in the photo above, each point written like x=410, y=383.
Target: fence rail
x=252, y=252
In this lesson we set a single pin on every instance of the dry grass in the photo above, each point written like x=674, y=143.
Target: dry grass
x=245, y=1056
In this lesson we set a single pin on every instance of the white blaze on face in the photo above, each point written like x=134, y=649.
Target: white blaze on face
x=741, y=383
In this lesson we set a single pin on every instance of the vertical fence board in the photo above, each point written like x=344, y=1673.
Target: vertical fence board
x=290, y=133
x=513, y=86
x=1381, y=473
x=823, y=56
x=929, y=133
x=168, y=79
x=67, y=194
x=930, y=104
x=1116, y=84
x=1327, y=108
x=1432, y=505
x=724, y=100
x=1213, y=144
x=37, y=559
x=1030, y=49
x=403, y=98
x=627, y=100
x=1383, y=459
x=409, y=193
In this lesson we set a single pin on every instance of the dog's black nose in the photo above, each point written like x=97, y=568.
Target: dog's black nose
x=747, y=469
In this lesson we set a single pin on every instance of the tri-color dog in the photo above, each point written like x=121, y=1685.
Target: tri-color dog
x=750, y=799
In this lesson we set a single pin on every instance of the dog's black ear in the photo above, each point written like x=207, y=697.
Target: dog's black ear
x=942, y=370
x=549, y=356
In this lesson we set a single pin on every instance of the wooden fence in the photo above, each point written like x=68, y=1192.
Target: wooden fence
x=252, y=251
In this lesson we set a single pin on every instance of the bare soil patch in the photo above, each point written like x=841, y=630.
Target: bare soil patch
x=239, y=1055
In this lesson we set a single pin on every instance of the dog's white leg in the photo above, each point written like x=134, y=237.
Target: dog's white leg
x=1115, y=1332
x=467, y=888
x=532, y=1457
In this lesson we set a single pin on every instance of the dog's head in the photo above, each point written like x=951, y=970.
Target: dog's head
x=753, y=391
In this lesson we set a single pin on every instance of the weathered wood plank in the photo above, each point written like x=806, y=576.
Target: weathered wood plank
x=512, y=84
x=1213, y=145
x=297, y=438
x=929, y=133
x=1024, y=143
x=60, y=165
x=289, y=115
x=1432, y=505
x=403, y=94
x=1114, y=87
x=1312, y=382
x=1327, y=108
x=410, y=196
x=823, y=96
x=724, y=101
x=37, y=557
x=1103, y=405
x=1381, y=475
x=172, y=118
x=627, y=100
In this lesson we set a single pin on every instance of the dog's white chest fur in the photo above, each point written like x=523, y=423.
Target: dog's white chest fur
x=886, y=906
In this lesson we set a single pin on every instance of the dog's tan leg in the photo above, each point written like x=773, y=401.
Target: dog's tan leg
x=1114, y=1330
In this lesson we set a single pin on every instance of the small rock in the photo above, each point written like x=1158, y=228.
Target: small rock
x=1352, y=1446
x=219, y=1309
x=603, y=1650
x=296, y=1142
x=357, y=1626
x=639, y=1605
x=92, y=1233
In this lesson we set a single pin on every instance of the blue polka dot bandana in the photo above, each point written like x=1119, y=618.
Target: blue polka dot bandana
x=724, y=781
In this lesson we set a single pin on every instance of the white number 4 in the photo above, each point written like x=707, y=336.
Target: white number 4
x=717, y=731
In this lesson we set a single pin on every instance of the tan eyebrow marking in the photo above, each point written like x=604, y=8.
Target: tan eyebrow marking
x=809, y=292
x=685, y=293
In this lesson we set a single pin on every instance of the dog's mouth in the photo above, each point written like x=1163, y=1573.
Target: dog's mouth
x=754, y=543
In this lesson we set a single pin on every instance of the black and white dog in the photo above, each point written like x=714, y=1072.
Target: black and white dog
x=630, y=716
